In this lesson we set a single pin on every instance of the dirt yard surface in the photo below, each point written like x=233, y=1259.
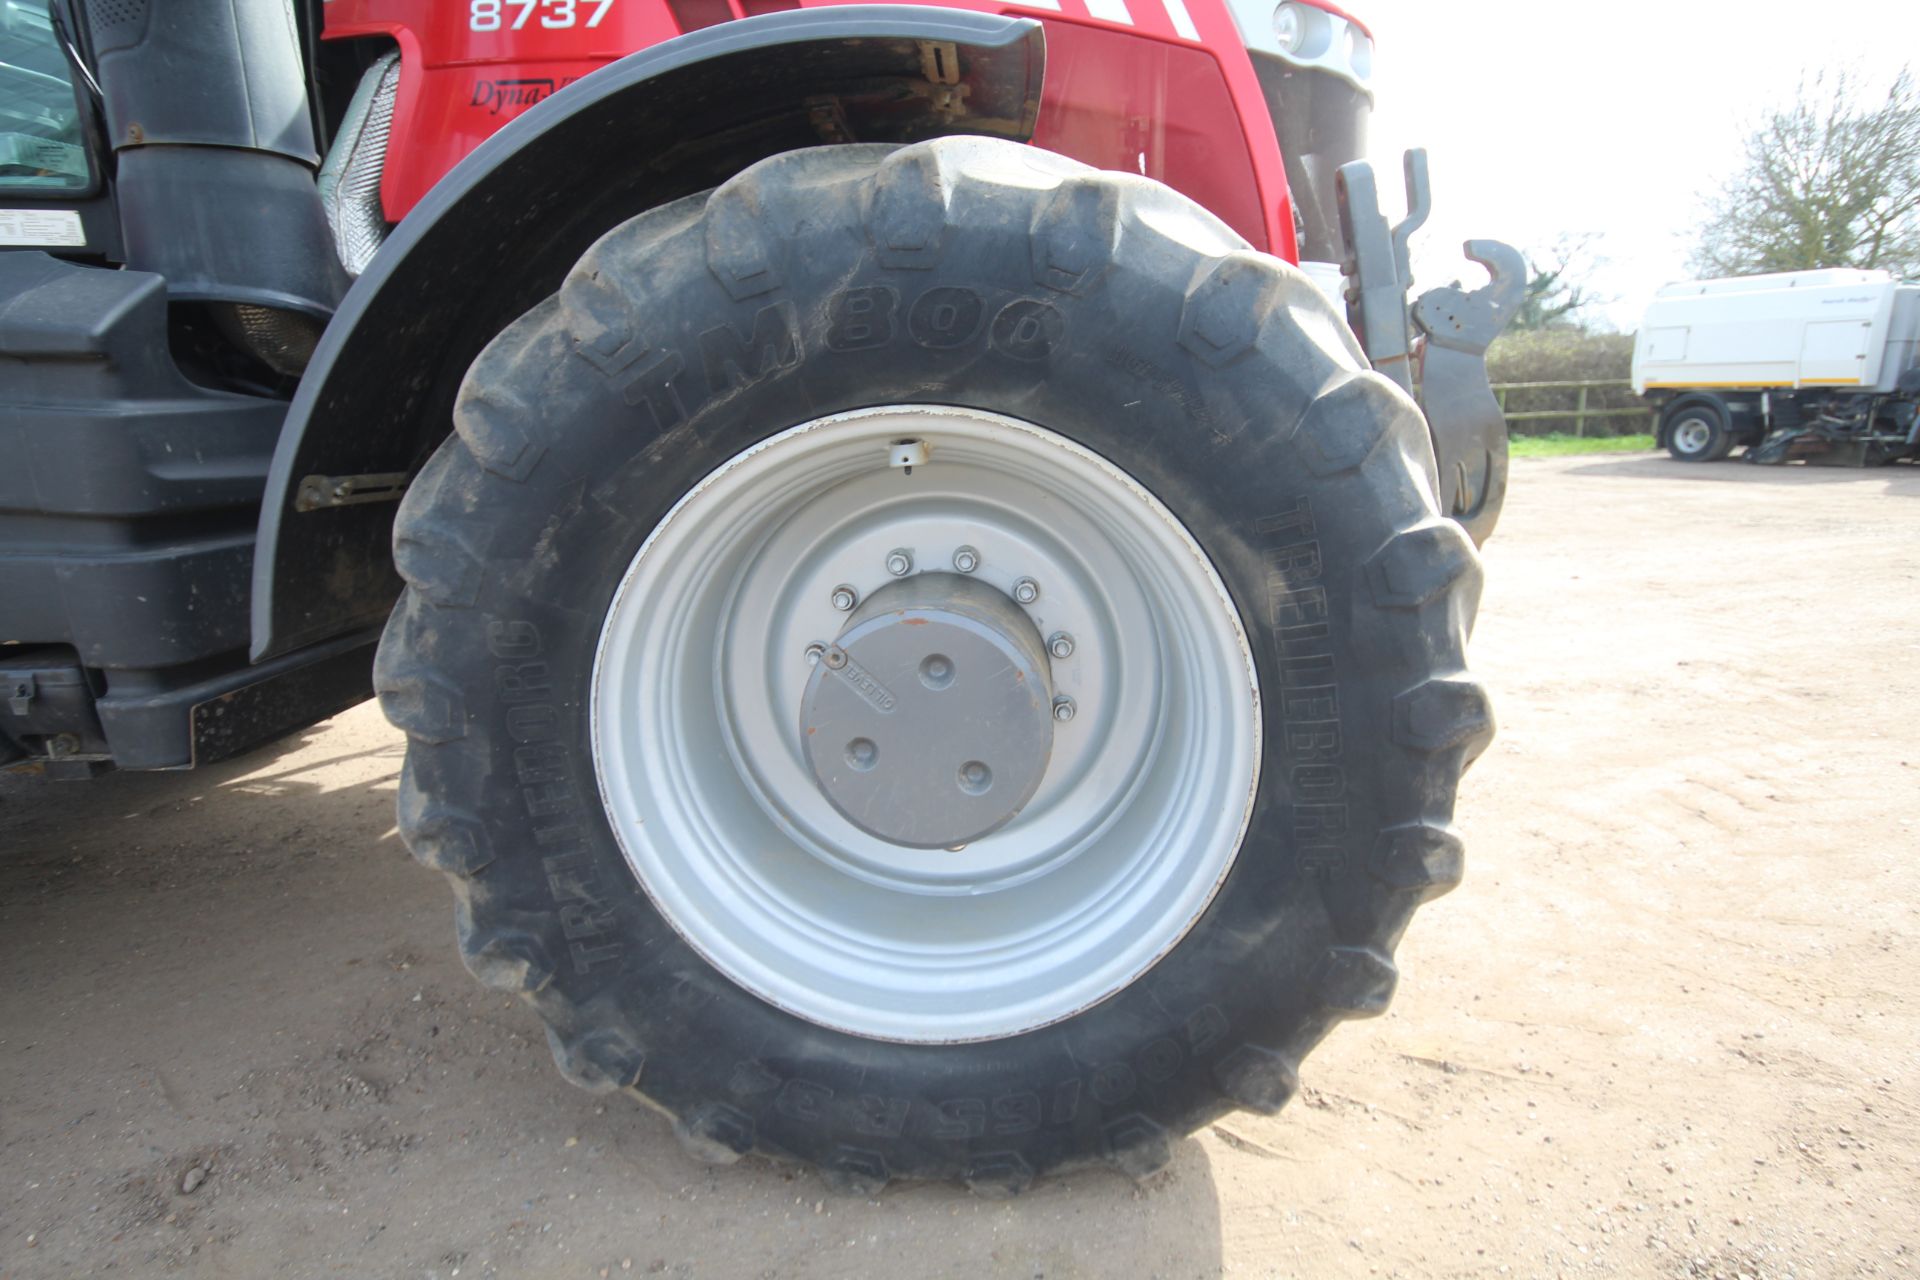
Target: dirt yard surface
x=1667, y=1027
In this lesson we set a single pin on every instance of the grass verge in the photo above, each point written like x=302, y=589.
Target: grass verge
x=1559, y=446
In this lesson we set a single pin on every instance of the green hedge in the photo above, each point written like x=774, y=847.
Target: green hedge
x=1565, y=355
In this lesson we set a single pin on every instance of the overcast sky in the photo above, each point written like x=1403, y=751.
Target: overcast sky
x=1543, y=117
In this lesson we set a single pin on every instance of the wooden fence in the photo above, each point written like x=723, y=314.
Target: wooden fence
x=1579, y=412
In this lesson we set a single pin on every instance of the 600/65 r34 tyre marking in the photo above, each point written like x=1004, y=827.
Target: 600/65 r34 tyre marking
x=1121, y=332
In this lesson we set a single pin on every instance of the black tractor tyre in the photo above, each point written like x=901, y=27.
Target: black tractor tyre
x=1697, y=431
x=1217, y=376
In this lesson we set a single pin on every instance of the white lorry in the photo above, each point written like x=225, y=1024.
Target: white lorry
x=1822, y=365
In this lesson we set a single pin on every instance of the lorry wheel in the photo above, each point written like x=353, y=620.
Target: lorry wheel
x=1698, y=432
x=936, y=663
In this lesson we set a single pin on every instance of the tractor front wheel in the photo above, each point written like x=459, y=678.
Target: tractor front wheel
x=933, y=662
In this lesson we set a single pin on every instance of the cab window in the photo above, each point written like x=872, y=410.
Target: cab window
x=41, y=146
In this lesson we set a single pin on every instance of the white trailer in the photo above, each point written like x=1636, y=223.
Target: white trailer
x=1823, y=365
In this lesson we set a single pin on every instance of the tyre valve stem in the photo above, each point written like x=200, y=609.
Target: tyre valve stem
x=906, y=454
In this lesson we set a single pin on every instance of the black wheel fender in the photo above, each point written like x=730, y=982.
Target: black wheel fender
x=497, y=234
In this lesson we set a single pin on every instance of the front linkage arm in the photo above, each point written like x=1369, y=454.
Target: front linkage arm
x=1440, y=358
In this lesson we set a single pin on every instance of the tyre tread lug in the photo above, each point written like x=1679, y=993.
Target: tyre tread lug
x=1418, y=857
x=908, y=209
x=509, y=960
x=739, y=252
x=1442, y=714
x=432, y=555
x=1221, y=317
x=1420, y=563
x=855, y=1171
x=440, y=836
x=427, y=705
x=1137, y=1146
x=492, y=425
x=1076, y=233
x=715, y=1133
x=601, y=1060
x=1345, y=425
x=998, y=1175
x=1355, y=982
x=1258, y=1079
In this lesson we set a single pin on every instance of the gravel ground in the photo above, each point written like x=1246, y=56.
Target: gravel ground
x=1666, y=1028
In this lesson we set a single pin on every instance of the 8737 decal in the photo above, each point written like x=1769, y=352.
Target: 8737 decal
x=554, y=15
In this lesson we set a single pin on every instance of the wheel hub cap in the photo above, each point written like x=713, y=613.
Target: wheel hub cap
x=928, y=722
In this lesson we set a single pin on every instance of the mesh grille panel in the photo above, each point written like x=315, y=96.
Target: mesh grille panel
x=350, y=180
x=116, y=23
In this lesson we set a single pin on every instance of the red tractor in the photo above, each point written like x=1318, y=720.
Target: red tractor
x=928, y=645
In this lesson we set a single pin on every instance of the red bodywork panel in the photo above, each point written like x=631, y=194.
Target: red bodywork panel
x=1158, y=87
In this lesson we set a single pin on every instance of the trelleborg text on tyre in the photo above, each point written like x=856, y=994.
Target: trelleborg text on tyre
x=934, y=662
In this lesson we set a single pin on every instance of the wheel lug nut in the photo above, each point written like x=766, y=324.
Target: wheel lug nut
x=845, y=597
x=1060, y=645
x=966, y=559
x=1026, y=591
x=815, y=652
x=1063, y=709
x=900, y=562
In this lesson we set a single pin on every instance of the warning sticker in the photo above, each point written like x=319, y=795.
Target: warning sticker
x=41, y=227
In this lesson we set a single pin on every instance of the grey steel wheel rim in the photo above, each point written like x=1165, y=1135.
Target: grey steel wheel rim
x=706, y=654
x=1692, y=435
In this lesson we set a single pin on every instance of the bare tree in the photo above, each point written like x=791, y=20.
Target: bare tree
x=1832, y=181
x=1556, y=293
